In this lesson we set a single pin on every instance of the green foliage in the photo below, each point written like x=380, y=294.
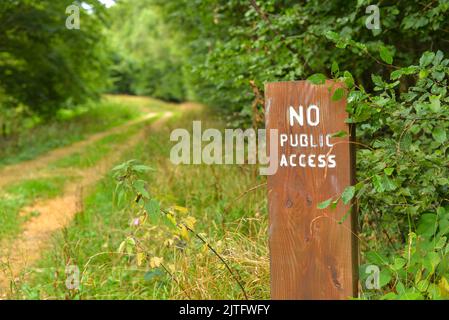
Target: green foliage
x=172, y=227
x=149, y=241
x=147, y=59
x=92, y=154
x=317, y=78
x=229, y=43
x=400, y=110
x=32, y=136
x=44, y=65
x=403, y=189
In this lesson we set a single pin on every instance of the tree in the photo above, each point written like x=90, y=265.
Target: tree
x=44, y=65
x=148, y=56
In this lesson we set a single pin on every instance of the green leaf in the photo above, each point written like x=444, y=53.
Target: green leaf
x=339, y=134
x=435, y=104
x=324, y=204
x=345, y=216
x=317, y=78
x=422, y=285
x=411, y=296
x=427, y=224
x=438, y=58
x=426, y=58
x=440, y=243
x=339, y=93
x=403, y=71
x=119, y=193
x=386, y=55
x=384, y=277
x=441, y=211
x=399, y=263
x=348, y=79
x=388, y=184
x=348, y=194
x=376, y=258
x=377, y=80
x=334, y=204
x=432, y=260
x=439, y=134
x=142, y=168
x=333, y=36
x=153, y=208
x=406, y=141
x=120, y=167
x=396, y=74
x=400, y=288
x=389, y=296
x=139, y=186
x=377, y=183
x=423, y=74
x=335, y=69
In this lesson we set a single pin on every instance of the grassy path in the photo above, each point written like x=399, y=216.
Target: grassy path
x=28, y=169
x=55, y=213
x=70, y=218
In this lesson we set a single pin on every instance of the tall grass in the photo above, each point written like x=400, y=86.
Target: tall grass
x=233, y=222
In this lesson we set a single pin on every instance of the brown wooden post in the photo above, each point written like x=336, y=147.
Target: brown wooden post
x=312, y=255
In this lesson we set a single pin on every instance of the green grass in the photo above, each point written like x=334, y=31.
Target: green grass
x=76, y=124
x=70, y=126
x=92, y=240
x=139, y=102
x=21, y=194
x=95, y=152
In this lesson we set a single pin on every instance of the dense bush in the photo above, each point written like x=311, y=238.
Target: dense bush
x=229, y=43
x=402, y=171
x=398, y=100
x=44, y=65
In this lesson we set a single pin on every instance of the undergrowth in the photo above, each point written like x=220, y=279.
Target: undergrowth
x=230, y=235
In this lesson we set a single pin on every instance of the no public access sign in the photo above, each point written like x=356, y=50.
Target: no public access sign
x=313, y=251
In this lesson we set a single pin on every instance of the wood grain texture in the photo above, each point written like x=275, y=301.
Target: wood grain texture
x=312, y=255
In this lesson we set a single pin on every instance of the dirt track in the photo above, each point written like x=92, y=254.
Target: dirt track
x=28, y=169
x=56, y=213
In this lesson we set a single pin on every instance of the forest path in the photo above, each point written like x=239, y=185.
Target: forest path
x=28, y=169
x=56, y=213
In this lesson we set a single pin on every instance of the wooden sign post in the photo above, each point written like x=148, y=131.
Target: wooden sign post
x=312, y=251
